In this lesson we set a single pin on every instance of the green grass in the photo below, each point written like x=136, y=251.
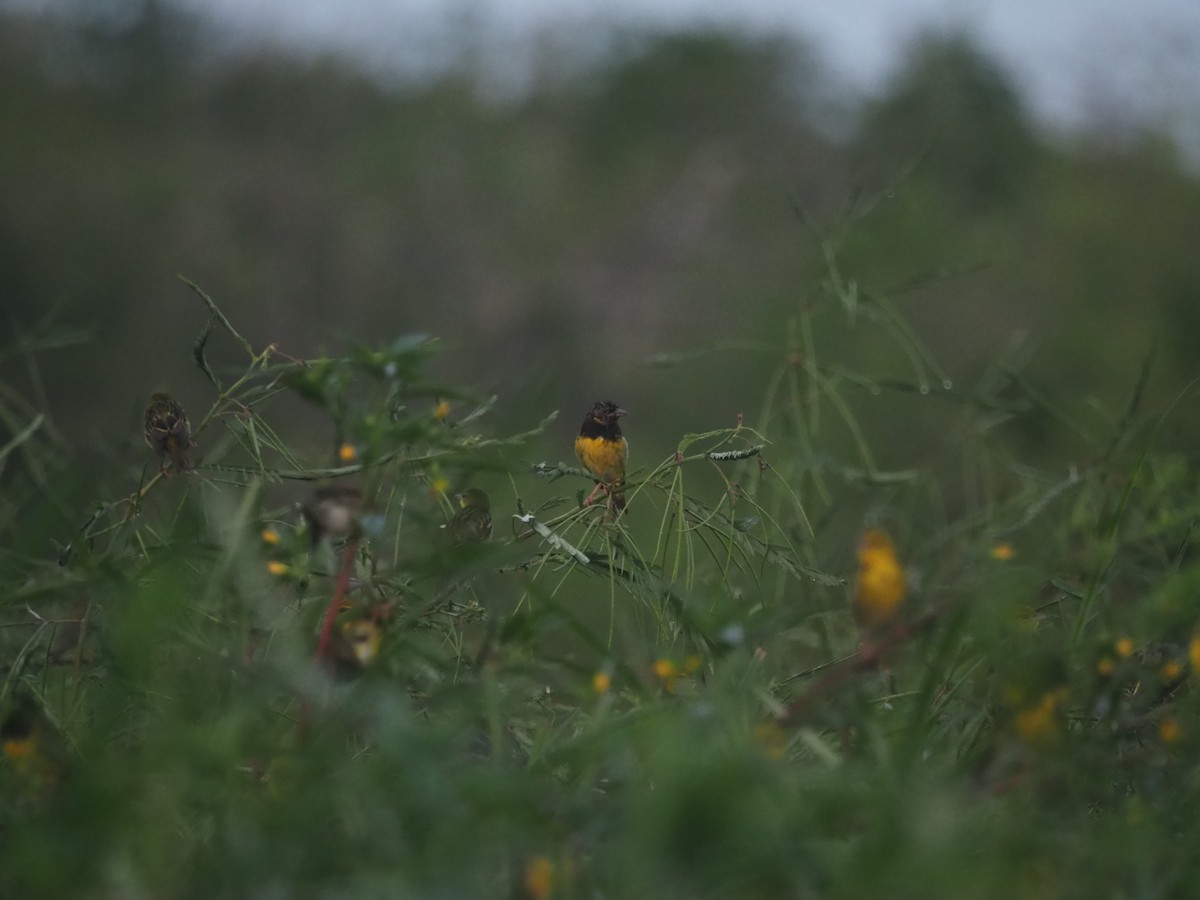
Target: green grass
x=675, y=703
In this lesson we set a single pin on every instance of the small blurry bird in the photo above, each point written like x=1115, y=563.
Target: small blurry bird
x=69, y=637
x=32, y=745
x=603, y=450
x=880, y=587
x=168, y=432
x=355, y=646
x=334, y=511
x=472, y=523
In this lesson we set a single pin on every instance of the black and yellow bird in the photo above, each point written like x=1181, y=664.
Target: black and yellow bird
x=32, y=744
x=168, y=432
x=472, y=522
x=603, y=451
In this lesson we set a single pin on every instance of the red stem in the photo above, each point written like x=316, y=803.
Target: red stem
x=335, y=604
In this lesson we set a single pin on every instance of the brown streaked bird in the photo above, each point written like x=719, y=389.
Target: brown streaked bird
x=604, y=451
x=880, y=586
x=334, y=511
x=69, y=637
x=168, y=432
x=472, y=523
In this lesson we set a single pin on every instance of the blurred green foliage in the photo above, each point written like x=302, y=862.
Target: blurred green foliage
x=676, y=702
x=673, y=702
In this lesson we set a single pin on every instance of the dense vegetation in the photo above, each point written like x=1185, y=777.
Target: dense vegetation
x=686, y=192
x=211, y=690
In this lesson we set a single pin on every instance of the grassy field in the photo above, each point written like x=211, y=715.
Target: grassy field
x=210, y=693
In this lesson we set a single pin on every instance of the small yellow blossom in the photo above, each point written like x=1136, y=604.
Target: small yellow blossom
x=1170, y=731
x=1105, y=666
x=1194, y=653
x=441, y=410
x=771, y=738
x=1003, y=552
x=1171, y=670
x=439, y=485
x=275, y=567
x=347, y=453
x=1039, y=723
x=18, y=748
x=270, y=536
x=539, y=878
x=1124, y=647
x=880, y=586
x=601, y=682
x=667, y=672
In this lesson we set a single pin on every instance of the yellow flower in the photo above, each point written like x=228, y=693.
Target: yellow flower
x=1194, y=653
x=270, y=536
x=1105, y=666
x=601, y=682
x=1003, y=552
x=1039, y=723
x=347, y=453
x=771, y=738
x=1170, y=731
x=441, y=410
x=666, y=671
x=880, y=587
x=275, y=567
x=439, y=485
x=1124, y=647
x=18, y=749
x=539, y=878
x=1171, y=670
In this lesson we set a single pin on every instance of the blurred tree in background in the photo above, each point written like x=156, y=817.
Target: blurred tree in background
x=563, y=235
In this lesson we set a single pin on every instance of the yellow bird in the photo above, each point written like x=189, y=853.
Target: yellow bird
x=603, y=450
x=880, y=588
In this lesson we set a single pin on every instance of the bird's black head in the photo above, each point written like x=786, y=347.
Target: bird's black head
x=605, y=412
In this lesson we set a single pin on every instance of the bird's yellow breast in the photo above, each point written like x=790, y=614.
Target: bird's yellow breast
x=603, y=457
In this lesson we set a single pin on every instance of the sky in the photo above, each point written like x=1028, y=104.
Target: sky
x=1119, y=62
x=1134, y=60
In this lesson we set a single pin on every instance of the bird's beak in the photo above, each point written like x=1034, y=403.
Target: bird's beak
x=618, y=412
